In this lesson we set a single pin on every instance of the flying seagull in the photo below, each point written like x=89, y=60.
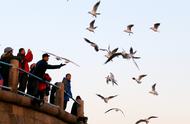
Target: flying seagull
x=61, y=58
x=146, y=120
x=129, y=29
x=155, y=27
x=96, y=48
x=91, y=27
x=106, y=98
x=116, y=109
x=110, y=52
x=130, y=55
x=153, y=91
x=93, y=11
x=113, y=55
x=113, y=80
x=138, y=80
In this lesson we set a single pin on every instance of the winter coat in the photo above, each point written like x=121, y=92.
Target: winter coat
x=67, y=88
x=24, y=60
x=42, y=66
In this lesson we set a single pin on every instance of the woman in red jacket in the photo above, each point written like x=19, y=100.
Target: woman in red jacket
x=24, y=59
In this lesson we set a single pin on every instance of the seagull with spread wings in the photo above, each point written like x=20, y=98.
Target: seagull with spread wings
x=110, y=52
x=139, y=78
x=153, y=91
x=106, y=98
x=62, y=58
x=146, y=120
x=116, y=109
x=94, y=9
x=91, y=27
x=129, y=29
x=155, y=27
x=96, y=47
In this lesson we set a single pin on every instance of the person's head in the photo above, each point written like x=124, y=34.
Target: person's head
x=22, y=51
x=8, y=50
x=45, y=57
x=33, y=65
x=78, y=97
x=68, y=76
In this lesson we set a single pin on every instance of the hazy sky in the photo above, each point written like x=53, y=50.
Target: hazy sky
x=59, y=26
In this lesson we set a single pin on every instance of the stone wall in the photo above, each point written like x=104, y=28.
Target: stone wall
x=17, y=109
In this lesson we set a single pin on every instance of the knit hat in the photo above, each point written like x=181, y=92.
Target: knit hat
x=7, y=49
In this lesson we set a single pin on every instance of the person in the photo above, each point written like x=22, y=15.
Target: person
x=4, y=70
x=24, y=59
x=44, y=88
x=40, y=69
x=53, y=94
x=67, y=88
x=75, y=106
x=31, y=86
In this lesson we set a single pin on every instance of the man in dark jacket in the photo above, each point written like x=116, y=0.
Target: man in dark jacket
x=67, y=87
x=40, y=69
x=4, y=70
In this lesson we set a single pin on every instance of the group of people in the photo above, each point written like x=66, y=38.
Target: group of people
x=33, y=78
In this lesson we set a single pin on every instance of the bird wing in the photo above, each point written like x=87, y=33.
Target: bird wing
x=95, y=7
x=141, y=120
x=100, y=96
x=141, y=76
x=130, y=26
x=92, y=24
x=131, y=50
x=135, y=63
x=88, y=41
x=112, y=56
x=110, y=97
x=109, y=110
x=156, y=25
x=154, y=87
x=152, y=117
x=67, y=60
x=114, y=50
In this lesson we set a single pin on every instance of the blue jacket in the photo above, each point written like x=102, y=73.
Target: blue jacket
x=67, y=88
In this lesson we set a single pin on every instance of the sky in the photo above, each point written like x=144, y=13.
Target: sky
x=59, y=26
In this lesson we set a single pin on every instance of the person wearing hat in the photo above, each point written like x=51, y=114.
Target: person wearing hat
x=41, y=67
x=4, y=70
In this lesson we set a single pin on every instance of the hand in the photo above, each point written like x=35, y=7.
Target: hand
x=62, y=64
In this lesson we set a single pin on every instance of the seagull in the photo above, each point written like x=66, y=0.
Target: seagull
x=130, y=55
x=106, y=98
x=138, y=80
x=110, y=52
x=61, y=58
x=155, y=27
x=93, y=11
x=146, y=120
x=112, y=56
x=91, y=27
x=153, y=91
x=92, y=44
x=113, y=79
x=128, y=30
x=116, y=109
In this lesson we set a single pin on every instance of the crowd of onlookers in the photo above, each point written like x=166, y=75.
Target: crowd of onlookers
x=27, y=82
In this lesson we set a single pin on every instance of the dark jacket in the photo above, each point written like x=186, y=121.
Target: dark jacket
x=67, y=88
x=42, y=66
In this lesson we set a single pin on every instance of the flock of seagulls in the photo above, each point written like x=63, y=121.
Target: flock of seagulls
x=115, y=53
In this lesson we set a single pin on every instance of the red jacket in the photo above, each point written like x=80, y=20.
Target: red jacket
x=28, y=58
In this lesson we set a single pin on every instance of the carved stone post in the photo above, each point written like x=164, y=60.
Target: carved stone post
x=13, y=75
x=59, y=99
